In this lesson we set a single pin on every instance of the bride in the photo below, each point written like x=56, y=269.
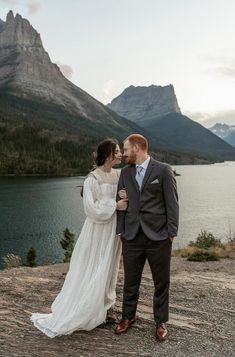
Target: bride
x=89, y=288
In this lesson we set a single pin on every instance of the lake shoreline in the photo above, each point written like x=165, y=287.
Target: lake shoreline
x=36, y=210
x=42, y=175
x=84, y=175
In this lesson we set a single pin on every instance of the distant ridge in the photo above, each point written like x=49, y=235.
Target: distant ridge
x=141, y=104
x=225, y=132
x=156, y=109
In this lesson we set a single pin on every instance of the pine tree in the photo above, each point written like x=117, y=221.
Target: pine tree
x=67, y=244
x=31, y=257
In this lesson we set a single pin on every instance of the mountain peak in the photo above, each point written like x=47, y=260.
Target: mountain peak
x=10, y=17
x=225, y=132
x=219, y=126
x=25, y=66
x=151, y=87
x=18, y=31
x=26, y=71
x=143, y=103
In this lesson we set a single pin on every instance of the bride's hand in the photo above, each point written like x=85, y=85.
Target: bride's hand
x=122, y=204
x=122, y=193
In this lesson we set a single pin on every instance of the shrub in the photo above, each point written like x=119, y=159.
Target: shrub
x=202, y=256
x=206, y=248
x=12, y=261
x=185, y=252
x=67, y=244
x=206, y=240
x=31, y=258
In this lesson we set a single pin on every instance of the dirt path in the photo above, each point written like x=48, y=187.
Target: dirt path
x=202, y=315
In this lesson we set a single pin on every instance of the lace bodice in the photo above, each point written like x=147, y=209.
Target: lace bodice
x=106, y=177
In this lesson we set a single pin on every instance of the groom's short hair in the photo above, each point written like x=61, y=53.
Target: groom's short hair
x=137, y=139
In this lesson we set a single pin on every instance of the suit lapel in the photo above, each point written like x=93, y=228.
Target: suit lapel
x=147, y=173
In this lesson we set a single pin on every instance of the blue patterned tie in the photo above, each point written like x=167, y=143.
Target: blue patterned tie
x=139, y=175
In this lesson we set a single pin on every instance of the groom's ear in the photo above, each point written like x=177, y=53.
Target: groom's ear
x=136, y=147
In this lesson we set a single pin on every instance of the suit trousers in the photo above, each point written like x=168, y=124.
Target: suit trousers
x=158, y=255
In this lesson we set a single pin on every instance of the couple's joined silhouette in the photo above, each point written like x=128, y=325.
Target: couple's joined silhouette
x=138, y=216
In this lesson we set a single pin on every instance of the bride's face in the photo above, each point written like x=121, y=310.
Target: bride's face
x=117, y=158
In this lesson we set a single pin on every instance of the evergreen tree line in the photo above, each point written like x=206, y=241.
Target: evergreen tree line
x=25, y=151
x=43, y=139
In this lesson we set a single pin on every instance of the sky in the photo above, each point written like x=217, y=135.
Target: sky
x=104, y=46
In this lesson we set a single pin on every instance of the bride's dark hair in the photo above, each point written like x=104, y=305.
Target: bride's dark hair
x=105, y=149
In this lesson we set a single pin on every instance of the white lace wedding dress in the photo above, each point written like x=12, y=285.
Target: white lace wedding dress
x=89, y=288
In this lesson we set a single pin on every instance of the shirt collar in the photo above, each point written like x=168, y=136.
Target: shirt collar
x=145, y=163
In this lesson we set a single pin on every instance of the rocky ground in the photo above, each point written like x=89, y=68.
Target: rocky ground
x=201, y=322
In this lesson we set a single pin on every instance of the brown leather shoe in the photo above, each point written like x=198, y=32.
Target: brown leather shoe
x=124, y=326
x=161, y=332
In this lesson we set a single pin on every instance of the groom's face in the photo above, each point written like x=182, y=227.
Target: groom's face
x=129, y=152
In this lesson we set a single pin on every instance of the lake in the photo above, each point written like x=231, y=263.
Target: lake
x=34, y=211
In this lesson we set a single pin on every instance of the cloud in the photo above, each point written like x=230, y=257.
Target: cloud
x=227, y=71
x=109, y=89
x=222, y=62
x=208, y=119
x=9, y=2
x=65, y=69
x=33, y=7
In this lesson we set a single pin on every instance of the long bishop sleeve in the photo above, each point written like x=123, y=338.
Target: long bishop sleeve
x=97, y=207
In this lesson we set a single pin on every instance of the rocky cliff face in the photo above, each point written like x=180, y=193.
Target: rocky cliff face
x=47, y=124
x=141, y=104
x=26, y=70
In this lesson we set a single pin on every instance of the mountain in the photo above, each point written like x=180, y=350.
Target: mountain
x=141, y=104
x=178, y=132
x=27, y=71
x=225, y=132
x=47, y=124
x=156, y=109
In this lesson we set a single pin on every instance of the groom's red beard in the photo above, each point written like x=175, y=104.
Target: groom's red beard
x=130, y=159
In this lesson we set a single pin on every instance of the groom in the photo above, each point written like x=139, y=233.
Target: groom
x=147, y=230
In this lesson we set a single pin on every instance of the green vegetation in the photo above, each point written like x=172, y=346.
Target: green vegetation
x=31, y=258
x=67, y=244
x=207, y=248
x=12, y=261
x=36, y=141
x=178, y=132
x=206, y=240
x=202, y=256
x=39, y=138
